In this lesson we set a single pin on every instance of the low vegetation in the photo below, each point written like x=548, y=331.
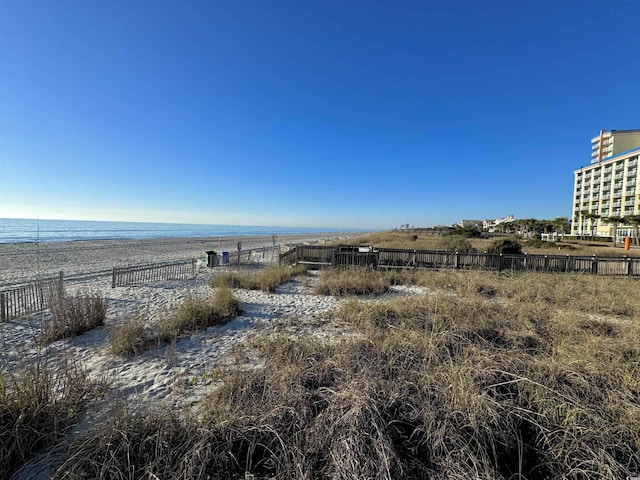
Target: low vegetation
x=266, y=280
x=74, y=315
x=424, y=241
x=135, y=336
x=486, y=375
x=505, y=246
x=38, y=404
x=353, y=281
x=455, y=243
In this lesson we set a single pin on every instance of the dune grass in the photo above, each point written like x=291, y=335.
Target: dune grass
x=486, y=376
x=74, y=315
x=38, y=404
x=136, y=336
x=266, y=280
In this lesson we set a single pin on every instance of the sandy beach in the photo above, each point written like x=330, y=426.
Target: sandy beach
x=21, y=262
x=174, y=375
x=163, y=373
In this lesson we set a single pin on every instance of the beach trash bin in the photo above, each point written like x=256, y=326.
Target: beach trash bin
x=225, y=258
x=212, y=259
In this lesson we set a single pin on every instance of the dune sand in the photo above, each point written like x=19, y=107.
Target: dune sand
x=170, y=375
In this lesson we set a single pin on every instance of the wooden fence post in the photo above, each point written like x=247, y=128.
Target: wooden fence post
x=113, y=278
x=3, y=308
x=594, y=265
x=61, y=284
x=193, y=268
x=630, y=267
x=456, y=261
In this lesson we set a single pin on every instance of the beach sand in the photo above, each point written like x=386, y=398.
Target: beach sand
x=20, y=262
x=170, y=375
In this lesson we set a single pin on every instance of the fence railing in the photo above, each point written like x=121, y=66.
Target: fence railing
x=30, y=298
x=399, y=258
x=255, y=255
x=153, y=272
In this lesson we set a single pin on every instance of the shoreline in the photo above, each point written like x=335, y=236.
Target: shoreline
x=23, y=262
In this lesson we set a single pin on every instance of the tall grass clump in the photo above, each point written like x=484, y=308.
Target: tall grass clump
x=136, y=336
x=38, y=404
x=353, y=281
x=266, y=280
x=130, y=338
x=74, y=315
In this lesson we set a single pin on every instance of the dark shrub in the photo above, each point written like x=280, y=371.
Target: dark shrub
x=505, y=245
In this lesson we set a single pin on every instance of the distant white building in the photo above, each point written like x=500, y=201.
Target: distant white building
x=491, y=225
x=470, y=223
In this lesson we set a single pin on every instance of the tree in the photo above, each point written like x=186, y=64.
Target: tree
x=583, y=216
x=615, y=222
x=561, y=225
x=592, y=217
x=634, y=221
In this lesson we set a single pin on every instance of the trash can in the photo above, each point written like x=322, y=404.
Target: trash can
x=225, y=258
x=212, y=259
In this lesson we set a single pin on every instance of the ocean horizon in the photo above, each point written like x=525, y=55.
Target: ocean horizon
x=13, y=230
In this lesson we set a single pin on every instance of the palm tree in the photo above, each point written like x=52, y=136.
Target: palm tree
x=561, y=224
x=615, y=221
x=592, y=217
x=583, y=216
x=634, y=221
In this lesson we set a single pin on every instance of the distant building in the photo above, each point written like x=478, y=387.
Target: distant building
x=609, y=187
x=489, y=224
x=492, y=225
x=470, y=223
x=611, y=143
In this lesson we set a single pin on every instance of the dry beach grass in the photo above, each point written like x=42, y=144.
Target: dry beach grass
x=482, y=376
x=463, y=375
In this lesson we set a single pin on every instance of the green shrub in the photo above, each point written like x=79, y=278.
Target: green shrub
x=455, y=243
x=506, y=246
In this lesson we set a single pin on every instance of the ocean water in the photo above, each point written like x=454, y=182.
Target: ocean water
x=31, y=230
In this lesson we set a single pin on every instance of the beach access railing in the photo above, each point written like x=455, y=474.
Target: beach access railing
x=343, y=256
x=255, y=255
x=31, y=297
x=153, y=272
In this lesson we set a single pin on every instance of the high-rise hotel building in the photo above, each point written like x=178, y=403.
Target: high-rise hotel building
x=609, y=187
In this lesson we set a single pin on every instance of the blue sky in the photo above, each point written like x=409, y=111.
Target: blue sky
x=308, y=113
